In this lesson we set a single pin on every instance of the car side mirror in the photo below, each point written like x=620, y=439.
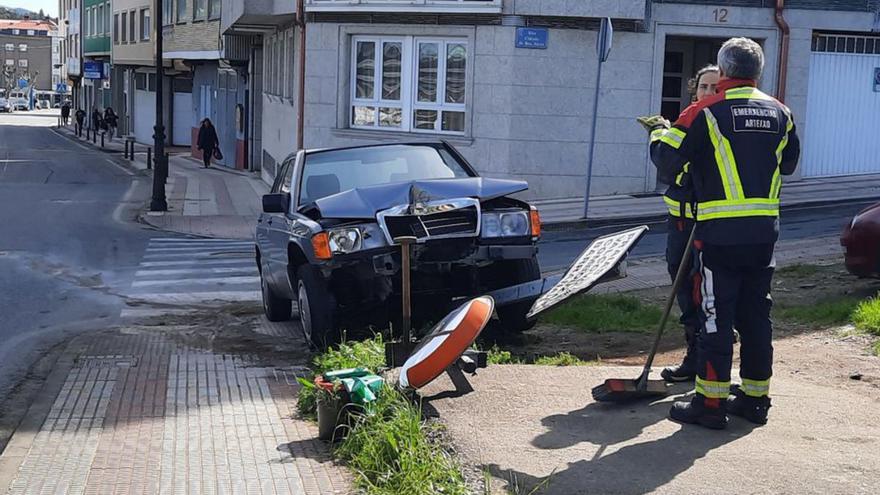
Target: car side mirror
x=276, y=203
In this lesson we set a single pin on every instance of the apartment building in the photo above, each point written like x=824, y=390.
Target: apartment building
x=71, y=47
x=26, y=48
x=200, y=83
x=96, y=38
x=133, y=69
x=510, y=82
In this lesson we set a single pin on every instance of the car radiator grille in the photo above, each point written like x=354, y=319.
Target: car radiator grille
x=456, y=223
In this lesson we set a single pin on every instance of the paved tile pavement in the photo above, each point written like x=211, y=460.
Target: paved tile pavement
x=138, y=413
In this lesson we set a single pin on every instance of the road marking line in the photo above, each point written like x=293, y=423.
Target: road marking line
x=194, y=271
x=179, y=239
x=195, y=263
x=197, y=249
x=197, y=281
x=152, y=312
x=198, y=297
x=196, y=256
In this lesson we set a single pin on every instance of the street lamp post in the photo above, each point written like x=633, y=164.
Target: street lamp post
x=160, y=171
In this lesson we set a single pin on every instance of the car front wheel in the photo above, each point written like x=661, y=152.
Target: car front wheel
x=512, y=317
x=316, y=307
x=276, y=308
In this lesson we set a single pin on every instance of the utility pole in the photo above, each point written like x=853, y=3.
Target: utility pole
x=160, y=171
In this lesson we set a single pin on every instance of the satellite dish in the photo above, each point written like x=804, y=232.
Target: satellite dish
x=446, y=342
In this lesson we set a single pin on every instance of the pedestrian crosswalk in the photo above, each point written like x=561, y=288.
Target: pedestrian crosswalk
x=187, y=271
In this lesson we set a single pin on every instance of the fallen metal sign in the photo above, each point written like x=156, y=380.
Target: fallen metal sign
x=598, y=259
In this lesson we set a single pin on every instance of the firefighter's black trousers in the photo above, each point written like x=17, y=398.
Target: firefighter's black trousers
x=734, y=290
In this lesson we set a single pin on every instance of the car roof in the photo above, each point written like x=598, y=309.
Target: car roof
x=379, y=145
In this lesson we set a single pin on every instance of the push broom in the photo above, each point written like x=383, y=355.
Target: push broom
x=622, y=390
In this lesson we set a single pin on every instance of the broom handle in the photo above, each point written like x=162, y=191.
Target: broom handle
x=676, y=284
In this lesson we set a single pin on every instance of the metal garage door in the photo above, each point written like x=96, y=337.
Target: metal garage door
x=843, y=107
x=183, y=119
x=145, y=116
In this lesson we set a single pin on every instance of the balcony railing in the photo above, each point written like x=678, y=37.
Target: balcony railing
x=453, y=6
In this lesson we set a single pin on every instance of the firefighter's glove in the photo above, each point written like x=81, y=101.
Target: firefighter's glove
x=654, y=122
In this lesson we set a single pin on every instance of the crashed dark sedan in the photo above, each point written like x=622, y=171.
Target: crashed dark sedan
x=327, y=236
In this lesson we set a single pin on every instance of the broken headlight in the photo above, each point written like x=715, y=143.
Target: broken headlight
x=345, y=240
x=509, y=224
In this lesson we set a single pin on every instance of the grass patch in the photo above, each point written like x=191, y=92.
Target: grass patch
x=562, y=359
x=390, y=449
x=390, y=452
x=866, y=316
x=496, y=355
x=799, y=270
x=603, y=313
x=828, y=312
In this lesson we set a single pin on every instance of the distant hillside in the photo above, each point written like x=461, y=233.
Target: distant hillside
x=17, y=13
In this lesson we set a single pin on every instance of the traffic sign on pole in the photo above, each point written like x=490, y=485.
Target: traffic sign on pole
x=603, y=49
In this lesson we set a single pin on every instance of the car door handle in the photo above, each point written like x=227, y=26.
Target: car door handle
x=269, y=221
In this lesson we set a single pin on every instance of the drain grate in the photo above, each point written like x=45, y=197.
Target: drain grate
x=116, y=361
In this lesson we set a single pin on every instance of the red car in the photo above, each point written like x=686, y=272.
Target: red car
x=861, y=242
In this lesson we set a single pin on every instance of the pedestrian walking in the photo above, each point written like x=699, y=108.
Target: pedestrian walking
x=80, y=116
x=738, y=144
x=207, y=141
x=97, y=121
x=679, y=200
x=65, y=114
x=111, y=120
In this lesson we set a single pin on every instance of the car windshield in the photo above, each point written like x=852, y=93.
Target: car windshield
x=328, y=172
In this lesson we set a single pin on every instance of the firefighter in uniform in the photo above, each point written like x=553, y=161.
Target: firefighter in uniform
x=738, y=144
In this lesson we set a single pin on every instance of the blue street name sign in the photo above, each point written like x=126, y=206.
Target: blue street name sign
x=535, y=38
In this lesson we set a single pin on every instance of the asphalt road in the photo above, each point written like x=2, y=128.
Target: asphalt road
x=559, y=249
x=63, y=257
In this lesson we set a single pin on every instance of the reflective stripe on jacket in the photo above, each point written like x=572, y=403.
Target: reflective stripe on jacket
x=738, y=144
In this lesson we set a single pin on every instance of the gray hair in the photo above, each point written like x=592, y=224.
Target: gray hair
x=741, y=58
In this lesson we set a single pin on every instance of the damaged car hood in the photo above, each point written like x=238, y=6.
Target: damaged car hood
x=365, y=202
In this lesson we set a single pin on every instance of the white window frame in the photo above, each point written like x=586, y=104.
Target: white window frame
x=107, y=14
x=409, y=84
x=146, y=24
x=404, y=103
x=10, y=62
x=22, y=47
x=23, y=63
x=100, y=20
x=440, y=105
x=10, y=47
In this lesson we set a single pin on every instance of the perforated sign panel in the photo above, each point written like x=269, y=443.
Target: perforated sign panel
x=600, y=257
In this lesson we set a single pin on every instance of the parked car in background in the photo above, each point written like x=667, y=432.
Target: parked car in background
x=327, y=236
x=861, y=242
x=6, y=106
x=20, y=104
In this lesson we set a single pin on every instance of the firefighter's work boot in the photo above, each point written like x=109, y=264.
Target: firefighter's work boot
x=687, y=370
x=696, y=413
x=753, y=409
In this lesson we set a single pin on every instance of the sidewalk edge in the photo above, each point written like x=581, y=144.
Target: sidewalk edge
x=25, y=434
x=575, y=224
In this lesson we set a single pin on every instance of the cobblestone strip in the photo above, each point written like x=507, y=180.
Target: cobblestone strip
x=62, y=452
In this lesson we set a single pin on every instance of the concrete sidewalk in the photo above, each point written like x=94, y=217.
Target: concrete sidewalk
x=203, y=404
x=215, y=202
x=650, y=207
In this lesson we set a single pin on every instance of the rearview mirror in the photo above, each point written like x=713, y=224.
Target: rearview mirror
x=276, y=203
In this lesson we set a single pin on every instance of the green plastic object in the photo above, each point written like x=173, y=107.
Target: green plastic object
x=363, y=390
x=349, y=373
